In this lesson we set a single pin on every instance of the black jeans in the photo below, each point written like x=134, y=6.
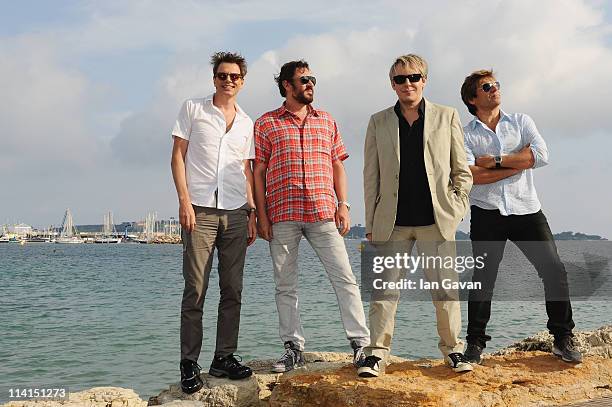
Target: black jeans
x=489, y=231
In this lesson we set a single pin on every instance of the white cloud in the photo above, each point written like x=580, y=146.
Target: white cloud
x=553, y=58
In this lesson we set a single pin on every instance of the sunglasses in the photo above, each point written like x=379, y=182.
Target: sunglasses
x=305, y=79
x=486, y=87
x=223, y=76
x=415, y=77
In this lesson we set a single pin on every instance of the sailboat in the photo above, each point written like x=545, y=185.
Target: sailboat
x=69, y=234
x=150, y=229
x=109, y=233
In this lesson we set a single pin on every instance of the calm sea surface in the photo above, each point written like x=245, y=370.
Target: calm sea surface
x=108, y=315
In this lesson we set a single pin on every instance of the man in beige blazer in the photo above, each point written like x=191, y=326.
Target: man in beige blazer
x=416, y=183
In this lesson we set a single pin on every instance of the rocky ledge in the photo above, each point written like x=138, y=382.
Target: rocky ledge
x=524, y=374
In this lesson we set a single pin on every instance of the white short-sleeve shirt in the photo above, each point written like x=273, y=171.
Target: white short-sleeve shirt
x=214, y=161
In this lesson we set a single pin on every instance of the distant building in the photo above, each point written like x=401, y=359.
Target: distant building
x=20, y=230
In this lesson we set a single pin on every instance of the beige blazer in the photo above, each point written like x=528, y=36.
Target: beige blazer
x=448, y=174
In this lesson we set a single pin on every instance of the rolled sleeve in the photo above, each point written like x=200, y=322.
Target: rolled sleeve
x=338, y=149
x=263, y=147
x=182, y=126
x=536, y=142
x=469, y=155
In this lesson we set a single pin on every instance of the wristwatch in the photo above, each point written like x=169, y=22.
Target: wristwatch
x=498, y=161
x=345, y=203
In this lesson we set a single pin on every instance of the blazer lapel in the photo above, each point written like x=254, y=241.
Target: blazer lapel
x=431, y=114
x=393, y=131
x=431, y=117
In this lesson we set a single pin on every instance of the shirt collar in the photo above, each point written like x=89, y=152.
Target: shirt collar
x=421, y=108
x=209, y=99
x=311, y=111
x=502, y=116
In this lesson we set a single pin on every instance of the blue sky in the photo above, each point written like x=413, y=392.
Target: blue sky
x=91, y=89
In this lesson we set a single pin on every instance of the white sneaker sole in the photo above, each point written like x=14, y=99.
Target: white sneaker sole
x=367, y=372
x=464, y=367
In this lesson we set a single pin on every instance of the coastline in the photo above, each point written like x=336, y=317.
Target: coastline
x=524, y=373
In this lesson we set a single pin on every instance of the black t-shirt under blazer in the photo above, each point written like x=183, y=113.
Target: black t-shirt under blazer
x=414, y=206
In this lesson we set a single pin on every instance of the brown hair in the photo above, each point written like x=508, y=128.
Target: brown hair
x=231, y=58
x=470, y=87
x=286, y=74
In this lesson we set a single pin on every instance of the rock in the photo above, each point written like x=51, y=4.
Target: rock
x=95, y=397
x=595, y=343
x=516, y=379
x=524, y=374
x=254, y=391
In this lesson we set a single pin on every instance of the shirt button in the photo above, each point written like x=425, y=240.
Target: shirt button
x=396, y=176
x=395, y=194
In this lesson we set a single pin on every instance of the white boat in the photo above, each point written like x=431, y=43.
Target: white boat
x=69, y=234
x=109, y=233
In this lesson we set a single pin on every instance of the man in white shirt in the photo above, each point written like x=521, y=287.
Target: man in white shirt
x=211, y=167
x=503, y=150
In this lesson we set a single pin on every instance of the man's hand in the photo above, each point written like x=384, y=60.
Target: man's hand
x=343, y=220
x=252, y=228
x=369, y=237
x=187, y=217
x=486, y=161
x=264, y=227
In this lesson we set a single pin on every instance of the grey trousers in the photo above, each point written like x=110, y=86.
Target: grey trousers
x=329, y=246
x=225, y=230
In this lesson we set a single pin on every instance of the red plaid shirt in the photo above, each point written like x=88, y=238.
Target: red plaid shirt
x=300, y=176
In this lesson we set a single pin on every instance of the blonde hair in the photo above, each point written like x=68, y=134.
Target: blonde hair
x=411, y=60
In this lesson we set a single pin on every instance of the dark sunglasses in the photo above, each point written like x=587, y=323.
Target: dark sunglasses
x=305, y=79
x=415, y=77
x=489, y=85
x=223, y=76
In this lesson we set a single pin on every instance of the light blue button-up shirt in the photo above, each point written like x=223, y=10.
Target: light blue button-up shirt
x=515, y=195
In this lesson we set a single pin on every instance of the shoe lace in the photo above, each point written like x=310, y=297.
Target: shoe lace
x=457, y=358
x=192, y=368
x=234, y=360
x=358, y=354
x=370, y=361
x=569, y=343
x=288, y=355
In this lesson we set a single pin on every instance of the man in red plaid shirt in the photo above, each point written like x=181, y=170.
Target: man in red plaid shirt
x=300, y=190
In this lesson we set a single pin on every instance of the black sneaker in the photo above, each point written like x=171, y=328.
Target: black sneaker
x=473, y=353
x=229, y=367
x=458, y=362
x=190, y=376
x=370, y=367
x=358, y=355
x=291, y=359
x=565, y=348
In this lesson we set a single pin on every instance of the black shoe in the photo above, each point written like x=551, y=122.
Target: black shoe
x=190, y=376
x=458, y=362
x=566, y=349
x=472, y=353
x=229, y=367
x=370, y=367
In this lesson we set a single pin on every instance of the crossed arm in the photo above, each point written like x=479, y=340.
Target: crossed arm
x=484, y=171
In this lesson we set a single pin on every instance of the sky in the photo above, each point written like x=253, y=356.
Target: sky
x=90, y=90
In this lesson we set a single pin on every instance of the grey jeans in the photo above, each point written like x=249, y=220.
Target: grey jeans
x=329, y=247
x=225, y=230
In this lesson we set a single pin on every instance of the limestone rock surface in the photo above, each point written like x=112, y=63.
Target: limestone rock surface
x=524, y=374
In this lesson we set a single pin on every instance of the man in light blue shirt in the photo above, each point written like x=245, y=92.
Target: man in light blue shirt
x=502, y=151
